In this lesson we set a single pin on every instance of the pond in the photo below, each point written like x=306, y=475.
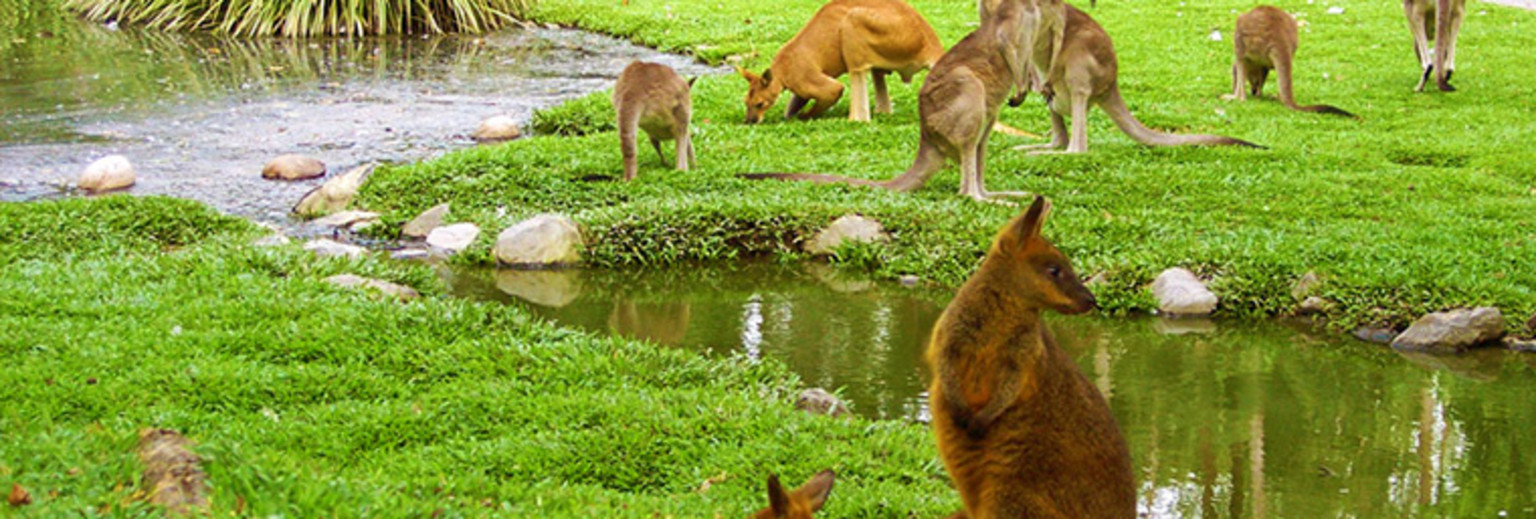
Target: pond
x=198, y=115
x=1225, y=419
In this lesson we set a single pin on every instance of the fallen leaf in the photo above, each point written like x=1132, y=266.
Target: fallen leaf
x=19, y=496
x=1009, y=130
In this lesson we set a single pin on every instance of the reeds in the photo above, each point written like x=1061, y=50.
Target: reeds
x=299, y=18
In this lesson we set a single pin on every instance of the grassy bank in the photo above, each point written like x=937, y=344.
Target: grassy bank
x=309, y=400
x=1423, y=205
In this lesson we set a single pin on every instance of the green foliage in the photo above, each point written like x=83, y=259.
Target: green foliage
x=584, y=115
x=110, y=226
x=1421, y=206
x=303, y=18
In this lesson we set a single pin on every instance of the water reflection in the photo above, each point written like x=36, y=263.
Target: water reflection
x=1239, y=420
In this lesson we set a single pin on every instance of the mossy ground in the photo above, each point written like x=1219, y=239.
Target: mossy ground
x=1425, y=204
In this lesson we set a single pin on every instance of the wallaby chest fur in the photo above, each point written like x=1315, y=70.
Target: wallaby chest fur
x=1264, y=39
x=653, y=98
x=1021, y=431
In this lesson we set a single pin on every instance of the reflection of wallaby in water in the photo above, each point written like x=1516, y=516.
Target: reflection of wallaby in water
x=661, y=323
x=799, y=503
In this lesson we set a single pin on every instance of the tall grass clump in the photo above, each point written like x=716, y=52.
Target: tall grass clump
x=298, y=18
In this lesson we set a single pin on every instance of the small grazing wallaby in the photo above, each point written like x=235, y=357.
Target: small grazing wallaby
x=1441, y=18
x=1083, y=71
x=799, y=503
x=651, y=97
x=861, y=38
x=1264, y=40
x=1022, y=432
x=958, y=103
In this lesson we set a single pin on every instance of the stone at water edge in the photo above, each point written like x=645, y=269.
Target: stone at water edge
x=1313, y=305
x=846, y=228
x=327, y=248
x=1520, y=345
x=540, y=241
x=423, y=223
x=293, y=167
x=354, y=281
x=1452, y=331
x=270, y=240
x=1179, y=292
x=335, y=194
x=347, y=219
x=410, y=254
x=453, y=238
x=1305, y=286
x=497, y=129
x=818, y=401
x=108, y=173
x=909, y=280
x=1375, y=334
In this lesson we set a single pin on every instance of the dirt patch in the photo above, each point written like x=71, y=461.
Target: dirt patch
x=173, y=475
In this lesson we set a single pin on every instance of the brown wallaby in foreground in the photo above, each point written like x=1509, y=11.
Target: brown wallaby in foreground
x=958, y=103
x=1442, y=19
x=1264, y=40
x=799, y=503
x=1083, y=71
x=855, y=37
x=1021, y=430
x=651, y=97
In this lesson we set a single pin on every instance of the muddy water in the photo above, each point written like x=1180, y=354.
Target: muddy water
x=199, y=115
x=1226, y=420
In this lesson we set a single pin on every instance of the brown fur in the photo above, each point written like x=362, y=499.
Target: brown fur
x=1264, y=40
x=1442, y=19
x=1022, y=432
x=800, y=503
x=651, y=97
x=958, y=103
x=1083, y=71
x=855, y=37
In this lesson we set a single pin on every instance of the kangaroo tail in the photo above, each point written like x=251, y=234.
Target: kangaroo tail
x=1283, y=71
x=929, y=161
x=818, y=178
x=1114, y=105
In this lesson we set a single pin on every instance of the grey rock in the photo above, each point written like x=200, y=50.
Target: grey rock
x=335, y=194
x=410, y=254
x=1520, y=345
x=909, y=280
x=847, y=228
x=497, y=129
x=293, y=167
x=1305, y=286
x=327, y=248
x=346, y=219
x=108, y=173
x=818, y=401
x=541, y=241
x=270, y=240
x=354, y=281
x=1375, y=334
x=1313, y=305
x=1452, y=331
x=423, y=223
x=453, y=238
x=1179, y=292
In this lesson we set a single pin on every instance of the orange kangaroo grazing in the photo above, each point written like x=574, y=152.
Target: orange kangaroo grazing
x=799, y=503
x=1265, y=39
x=855, y=37
x=651, y=97
x=1442, y=18
x=958, y=103
x=1083, y=72
x=1022, y=432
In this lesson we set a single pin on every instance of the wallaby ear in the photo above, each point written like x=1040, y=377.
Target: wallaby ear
x=749, y=75
x=691, y=80
x=767, y=77
x=1028, y=226
x=778, y=500
x=816, y=489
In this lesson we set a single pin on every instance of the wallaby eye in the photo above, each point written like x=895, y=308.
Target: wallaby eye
x=1054, y=271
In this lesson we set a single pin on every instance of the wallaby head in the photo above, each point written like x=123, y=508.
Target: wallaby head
x=1031, y=265
x=799, y=503
x=762, y=92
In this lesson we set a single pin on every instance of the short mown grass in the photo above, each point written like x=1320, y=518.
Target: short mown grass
x=1427, y=203
x=308, y=400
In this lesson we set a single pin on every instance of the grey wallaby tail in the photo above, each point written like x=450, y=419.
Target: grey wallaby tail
x=1283, y=70
x=1114, y=105
x=818, y=178
x=929, y=160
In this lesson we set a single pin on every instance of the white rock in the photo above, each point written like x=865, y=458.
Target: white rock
x=454, y=237
x=423, y=223
x=544, y=240
x=410, y=254
x=1179, y=292
x=1452, y=331
x=818, y=401
x=326, y=248
x=270, y=240
x=1306, y=285
x=496, y=129
x=347, y=219
x=334, y=194
x=1313, y=305
x=108, y=173
x=355, y=281
x=845, y=229
x=293, y=167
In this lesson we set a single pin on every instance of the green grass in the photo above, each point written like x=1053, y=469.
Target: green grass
x=1426, y=204
x=308, y=400
x=307, y=17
